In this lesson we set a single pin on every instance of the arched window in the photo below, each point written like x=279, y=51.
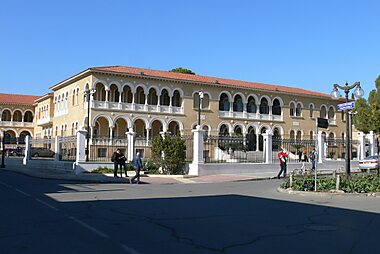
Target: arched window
x=205, y=101
x=224, y=104
x=28, y=117
x=223, y=130
x=299, y=109
x=264, y=107
x=176, y=99
x=140, y=96
x=114, y=93
x=261, y=139
x=311, y=135
x=206, y=130
x=238, y=104
x=251, y=139
x=152, y=97
x=311, y=110
x=323, y=112
x=238, y=131
x=165, y=99
x=251, y=105
x=6, y=115
x=292, y=134
x=276, y=141
x=299, y=134
x=127, y=95
x=331, y=113
x=292, y=109
x=100, y=94
x=17, y=116
x=276, y=109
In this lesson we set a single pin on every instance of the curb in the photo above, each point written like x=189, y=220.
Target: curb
x=324, y=194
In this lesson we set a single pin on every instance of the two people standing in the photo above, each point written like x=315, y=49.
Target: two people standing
x=119, y=160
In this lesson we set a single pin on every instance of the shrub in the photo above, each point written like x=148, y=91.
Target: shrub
x=358, y=183
x=152, y=167
x=169, y=153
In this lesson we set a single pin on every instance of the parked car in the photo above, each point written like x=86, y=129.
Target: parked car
x=370, y=162
x=41, y=152
x=18, y=151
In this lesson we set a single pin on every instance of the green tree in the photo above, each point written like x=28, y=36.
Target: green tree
x=170, y=153
x=182, y=70
x=368, y=112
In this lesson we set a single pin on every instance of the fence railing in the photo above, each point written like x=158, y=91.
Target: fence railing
x=67, y=148
x=42, y=149
x=295, y=147
x=229, y=149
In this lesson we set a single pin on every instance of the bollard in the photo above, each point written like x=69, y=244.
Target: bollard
x=337, y=182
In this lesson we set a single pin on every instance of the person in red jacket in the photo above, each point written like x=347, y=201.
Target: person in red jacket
x=283, y=157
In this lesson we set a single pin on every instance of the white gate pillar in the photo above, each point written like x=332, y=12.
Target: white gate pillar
x=81, y=146
x=372, y=143
x=28, y=147
x=131, y=144
x=321, y=147
x=268, y=146
x=361, y=148
x=56, y=149
x=197, y=151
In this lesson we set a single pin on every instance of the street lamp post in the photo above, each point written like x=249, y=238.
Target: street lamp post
x=336, y=95
x=200, y=107
x=87, y=94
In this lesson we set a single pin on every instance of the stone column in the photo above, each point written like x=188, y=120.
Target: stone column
x=321, y=147
x=131, y=144
x=372, y=143
x=361, y=148
x=197, y=151
x=147, y=136
x=81, y=146
x=268, y=146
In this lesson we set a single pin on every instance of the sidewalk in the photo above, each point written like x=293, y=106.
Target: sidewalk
x=15, y=165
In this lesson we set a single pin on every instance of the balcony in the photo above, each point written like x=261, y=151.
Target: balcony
x=15, y=124
x=249, y=116
x=121, y=106
x=43, y=121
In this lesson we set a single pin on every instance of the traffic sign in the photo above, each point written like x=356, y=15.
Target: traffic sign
x=322, y=123
x=346, y=106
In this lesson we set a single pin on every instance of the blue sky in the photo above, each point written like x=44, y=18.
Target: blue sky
x=299, y=43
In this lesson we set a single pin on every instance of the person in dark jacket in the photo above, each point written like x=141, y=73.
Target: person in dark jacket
x=119, y=159
x=137, y=164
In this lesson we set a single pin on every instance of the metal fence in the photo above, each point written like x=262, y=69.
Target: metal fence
x=42, y=149
x=230, y=149
x=67, y=148
x=336, y=148
x=295, y=147
x=102, y=148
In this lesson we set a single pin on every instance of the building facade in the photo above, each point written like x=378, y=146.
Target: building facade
x=113, y=100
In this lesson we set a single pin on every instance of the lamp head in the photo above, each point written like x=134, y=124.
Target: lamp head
x=335, y=95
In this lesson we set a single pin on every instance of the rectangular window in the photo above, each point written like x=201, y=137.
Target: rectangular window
x=102, y=152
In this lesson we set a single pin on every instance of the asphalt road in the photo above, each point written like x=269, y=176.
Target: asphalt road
x=52, y=216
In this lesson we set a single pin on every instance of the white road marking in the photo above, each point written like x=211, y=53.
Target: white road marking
x=85, y=225
x=128, y=249
x=46, y=204
x=6, y=185
x=185, y=180
x=22, y=192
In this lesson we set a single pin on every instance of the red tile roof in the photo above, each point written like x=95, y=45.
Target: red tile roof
x=207, y=79
x=17, y=99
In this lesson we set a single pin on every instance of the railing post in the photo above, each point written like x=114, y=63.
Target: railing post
x=28, y=147
x=361, y=150
x=56, y=149
x=81, y=146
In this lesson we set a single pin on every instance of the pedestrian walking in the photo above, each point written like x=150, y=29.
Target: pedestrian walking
x=118, y=160
x=283, y=157
x=137, y=164
x=304, y=160
x=313, y=156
